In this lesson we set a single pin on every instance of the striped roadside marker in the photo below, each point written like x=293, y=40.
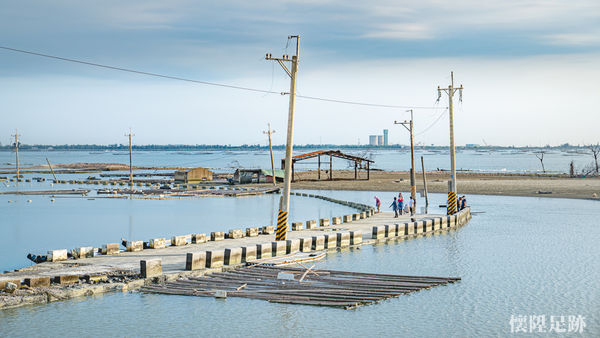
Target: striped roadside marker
x=281, y=226
x=451, y=203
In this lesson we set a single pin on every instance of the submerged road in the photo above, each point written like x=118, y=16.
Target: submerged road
x=174, y=257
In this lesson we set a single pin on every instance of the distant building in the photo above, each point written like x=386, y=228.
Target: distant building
x=193, y=175
x=372, y=140
x=379, y=140
x=244, y=176
x=385, y=138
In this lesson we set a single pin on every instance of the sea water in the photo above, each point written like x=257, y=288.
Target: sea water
x=518, y=257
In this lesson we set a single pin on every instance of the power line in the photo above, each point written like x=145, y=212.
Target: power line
x=138, y=71
x=94, y=64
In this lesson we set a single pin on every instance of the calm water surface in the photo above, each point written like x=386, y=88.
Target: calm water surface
x=540, y=260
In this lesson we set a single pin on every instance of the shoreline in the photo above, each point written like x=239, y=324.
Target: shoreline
x=495, y=184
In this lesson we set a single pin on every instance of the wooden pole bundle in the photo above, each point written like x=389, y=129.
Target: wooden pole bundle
x=323, y=288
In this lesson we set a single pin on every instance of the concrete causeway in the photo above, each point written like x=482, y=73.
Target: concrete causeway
x=198, y=254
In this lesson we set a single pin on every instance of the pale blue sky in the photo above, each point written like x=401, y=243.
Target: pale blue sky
x=530, y=69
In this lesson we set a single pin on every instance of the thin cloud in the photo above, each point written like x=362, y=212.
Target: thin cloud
x=410, y=31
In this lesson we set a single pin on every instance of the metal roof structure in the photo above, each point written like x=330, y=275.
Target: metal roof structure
x=359, y=162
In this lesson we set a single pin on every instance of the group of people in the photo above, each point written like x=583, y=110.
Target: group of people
x=462, y=203
x=398, y=205
x=401, y=208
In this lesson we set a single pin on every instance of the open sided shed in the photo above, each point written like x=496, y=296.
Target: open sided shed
x=359, y=162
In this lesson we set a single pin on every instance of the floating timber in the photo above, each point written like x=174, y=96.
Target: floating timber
x=278, y=284
x=192, y=193
x=290, y=259
x=47, y=192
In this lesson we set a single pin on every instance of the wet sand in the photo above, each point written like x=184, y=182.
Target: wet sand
x=560, y=186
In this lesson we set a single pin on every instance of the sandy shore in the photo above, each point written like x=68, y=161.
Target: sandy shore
x=560, y=186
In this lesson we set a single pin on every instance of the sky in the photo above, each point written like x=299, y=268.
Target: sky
x=530, y=71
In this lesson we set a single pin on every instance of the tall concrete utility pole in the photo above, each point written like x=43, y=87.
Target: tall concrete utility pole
x=452, y=209
x=413, y=181
x=16, y=136
x=130, y=161
x=284, y=204
x=269, y=132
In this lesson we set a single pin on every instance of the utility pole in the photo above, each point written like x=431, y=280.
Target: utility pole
x=130, y=161
x=16, y=136
x=413, y=183
x=51, y=170
x=269, y=132
x=452, y=209
x=284, y=204
x=425, y=185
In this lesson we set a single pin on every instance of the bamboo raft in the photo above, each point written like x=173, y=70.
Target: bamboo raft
x=290, y=285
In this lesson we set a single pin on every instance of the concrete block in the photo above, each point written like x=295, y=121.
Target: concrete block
x=401, y=229
x=390, y=230
x=151, y=268
x=135, y=246
x=347, y=218
x=235, y=234
x=356, y=237
x=324, y=222
x=318, y=242
x=363, y=215
x=410, y=228
x=418, y=227
x=217, y=236
x=356, y=216
x=336, y=220
x=37, y=282
x=248, y=253
x=343, y=239
x=268, y=230
x=199, y=238
x=437, y=224
x=306, y=244
x=292, y=245
x=66, y=279
x=178, y=240
x=57, y=255
x=233, y=256
x=84, y=252
x=428, y=225
x=215, y=258
x=264, y=250
x=157, y=243
x=110, y=249
x=278, y=247
x=297, y=226
x=195, y=261
x=330, y=241
x=311, y=224
x=378, y=232
x=252, y=232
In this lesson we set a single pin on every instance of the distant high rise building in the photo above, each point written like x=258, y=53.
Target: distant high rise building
x=372, y=140
x=379, y=140
x=385, y=138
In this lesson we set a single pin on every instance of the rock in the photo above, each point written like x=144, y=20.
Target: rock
x=10, y=287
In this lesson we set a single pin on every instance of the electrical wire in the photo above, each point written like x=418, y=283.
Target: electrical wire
x=207, y=82
x=432, y=124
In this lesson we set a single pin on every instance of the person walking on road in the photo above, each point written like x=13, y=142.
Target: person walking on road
x=377, y=203
x=400, y=204
x=394, y=206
